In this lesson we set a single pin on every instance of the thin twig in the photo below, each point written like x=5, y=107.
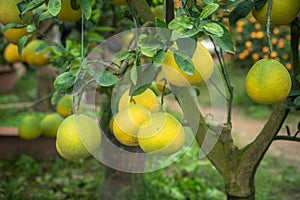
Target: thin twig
x=268, y=28
x=285, y=137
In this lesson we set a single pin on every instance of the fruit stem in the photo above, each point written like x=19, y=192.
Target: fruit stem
x=268, y=28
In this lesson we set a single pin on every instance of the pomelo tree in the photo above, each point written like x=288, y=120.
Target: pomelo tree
x=85, y=64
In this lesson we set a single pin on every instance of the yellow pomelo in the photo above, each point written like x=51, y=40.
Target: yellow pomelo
x=35, y=54
x=29, y=128
x=50, y=124
x=161, y=134
x=127, y=122
x=283, y=12
x=11, y=54
x=67, y=13
x=61, y=153
x=78, y=136
x=14, y=34
x=203, y=68
x=9, y=12
x=64, y=106
x=268, y=82
x=147, y=99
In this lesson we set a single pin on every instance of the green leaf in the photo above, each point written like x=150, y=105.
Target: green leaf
x=133, y=91
x=32, y=5
x=297, y=101
x=298, y=78
x=64, y=81
x=123, y=55
x=159, y=57
x=75, y=66
x=213, y=28
x=22, y=42
x=12, y=25
x=184, y=62
x=208, y=10
x=86, y=8
x=259, y=4
x=44, y=16
x=160, y=23
x=144, y=80
x=150, y=42
x=241, y=11
x=133, y=74
x=294, y=93
x=54, y=7
x=181, y=23
x=105, y=78
x=187, y=45
x=41, y=48
x=234, y=3
x=225, y=42
x=149, y=52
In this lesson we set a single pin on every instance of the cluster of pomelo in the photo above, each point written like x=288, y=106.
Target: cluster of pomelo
x=140, y=122
x=36, y=52
x=31, y=127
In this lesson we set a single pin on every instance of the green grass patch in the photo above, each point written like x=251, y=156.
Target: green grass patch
x=187, y=178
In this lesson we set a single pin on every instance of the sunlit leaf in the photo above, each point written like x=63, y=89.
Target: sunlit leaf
x=208, y=10
x=54, y=7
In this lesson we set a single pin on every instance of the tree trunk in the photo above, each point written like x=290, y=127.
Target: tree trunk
x=45, y=76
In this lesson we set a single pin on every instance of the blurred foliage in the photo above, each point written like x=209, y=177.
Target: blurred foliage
x=251, y=42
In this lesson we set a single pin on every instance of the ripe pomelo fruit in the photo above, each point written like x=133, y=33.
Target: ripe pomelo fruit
x=14, y=34
x=67, y=13
x=64, y=106
x=37, y=53
x=283, y=12
x=11, y=54
x=29, y=128
x=127, y=122
x=203, y=68
x=10, y=13
x=268, y=82
x=147, y=99
x=78, y=136
x=50, y=124
x=161, y=134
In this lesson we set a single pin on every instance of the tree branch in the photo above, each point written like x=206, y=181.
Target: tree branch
x=253, y=153
x=286, y=137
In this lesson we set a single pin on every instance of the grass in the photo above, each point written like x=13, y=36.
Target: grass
x=186, y=178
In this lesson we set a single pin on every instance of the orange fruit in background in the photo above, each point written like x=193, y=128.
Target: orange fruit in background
x=127, y=122
x=11, y=54
x=203, y=68
x=9, y=12
x=67, y=13
x=268, y=82
x=283, y=12
x=29, y=128
x=161, y=134
x=14, y=34
x=33, y=55
x=64, y=106
x=148, y=99
x=78, y=136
